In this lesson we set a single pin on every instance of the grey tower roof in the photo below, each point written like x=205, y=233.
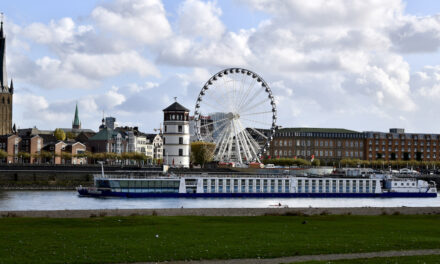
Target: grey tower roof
x=176, y=107
x=3, y=76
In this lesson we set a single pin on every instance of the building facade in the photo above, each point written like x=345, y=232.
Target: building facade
x=326, y=144
x=398, y=145
x=176, y=136
x=6, y=91
x=332, y=144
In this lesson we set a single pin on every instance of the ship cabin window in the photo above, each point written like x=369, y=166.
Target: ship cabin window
x=220, y=185
x=243, y=186
x=228, y=185
x=213, y=185
x=251, y=185
x=320, y=186
x=333, y=186
x=354, y=186
x=306, y=185
x=205, y=185
x=272, y=186
x=347, y=186
x=341, y=186
x=265, y=186
x=327, y=186
x=361, y=186
x=287, y=186
x=280, y=186
x=313, y=186
x=236, y=186
x=299, y=186
x=367, y=186
x=374, y=186
x=258, y=186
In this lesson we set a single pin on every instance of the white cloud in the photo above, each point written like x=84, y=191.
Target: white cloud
x=142, y=21
x=200, y=19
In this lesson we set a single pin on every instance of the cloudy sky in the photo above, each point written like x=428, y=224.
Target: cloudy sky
x=362, y=65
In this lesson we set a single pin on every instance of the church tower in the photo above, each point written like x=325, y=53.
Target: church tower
x=176, y=136
x=76, y=124
x=6, y=91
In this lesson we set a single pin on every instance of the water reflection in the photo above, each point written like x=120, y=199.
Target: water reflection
x=69, y=200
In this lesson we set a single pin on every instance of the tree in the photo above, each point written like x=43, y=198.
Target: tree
x=70, y=135
x=59, y=134
x=3, y=154
x=46, y=156
x=202, y=152
x=66, y=156
x=23, y=156
x=316, y=162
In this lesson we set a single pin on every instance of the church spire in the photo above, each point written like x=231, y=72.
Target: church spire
x=76, y=123
x=3, y=76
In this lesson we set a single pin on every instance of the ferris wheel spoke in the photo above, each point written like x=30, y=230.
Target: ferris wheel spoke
x=254, y=106
x=248, y=137
x=215, y=122
x=258, y=132
x=221, y=102
x=257, y=113
x=256, y=121
x=246, y=94
x=248, y=101
x=218, y=129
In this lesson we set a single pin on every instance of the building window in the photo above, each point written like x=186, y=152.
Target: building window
x=180, y=152
x=165, y=128
x=179, y=129
x=180, y=140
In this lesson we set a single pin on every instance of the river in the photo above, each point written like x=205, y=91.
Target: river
x=69, y=200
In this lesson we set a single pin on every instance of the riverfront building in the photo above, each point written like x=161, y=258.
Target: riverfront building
x=176, y=136
x=334, y=144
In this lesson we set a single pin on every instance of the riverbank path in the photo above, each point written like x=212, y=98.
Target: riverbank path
x=296, y=259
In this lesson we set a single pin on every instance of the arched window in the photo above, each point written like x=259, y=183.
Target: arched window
x=9, y=101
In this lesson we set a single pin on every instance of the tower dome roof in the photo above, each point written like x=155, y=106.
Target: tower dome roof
x=176, y=107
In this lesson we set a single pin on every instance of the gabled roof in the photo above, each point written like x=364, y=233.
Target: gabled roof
x=176, y=107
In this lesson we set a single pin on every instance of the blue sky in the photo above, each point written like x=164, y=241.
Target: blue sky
x=367, y=65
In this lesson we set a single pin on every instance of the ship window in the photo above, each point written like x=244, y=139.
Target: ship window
x=124, y=184
x=212, y=185
x=251, y=185
x=287, y=186
x=138, y=184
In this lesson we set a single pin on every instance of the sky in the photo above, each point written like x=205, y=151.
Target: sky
x=364, y=65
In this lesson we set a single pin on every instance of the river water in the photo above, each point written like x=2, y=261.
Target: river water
x=69, y=200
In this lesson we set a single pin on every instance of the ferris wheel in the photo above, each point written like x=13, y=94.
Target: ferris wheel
x=236, y=110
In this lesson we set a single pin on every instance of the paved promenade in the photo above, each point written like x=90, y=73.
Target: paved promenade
x=225, y=212
x=328, y=257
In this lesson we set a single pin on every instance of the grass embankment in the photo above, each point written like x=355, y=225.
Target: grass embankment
x=133, y=239
x=432, y=259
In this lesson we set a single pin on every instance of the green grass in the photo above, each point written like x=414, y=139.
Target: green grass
x=430, y=259
x=133, y=239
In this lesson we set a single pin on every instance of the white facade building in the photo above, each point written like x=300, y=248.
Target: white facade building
x=176, y=136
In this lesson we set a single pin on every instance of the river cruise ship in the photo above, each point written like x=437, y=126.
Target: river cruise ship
x=256, y=186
